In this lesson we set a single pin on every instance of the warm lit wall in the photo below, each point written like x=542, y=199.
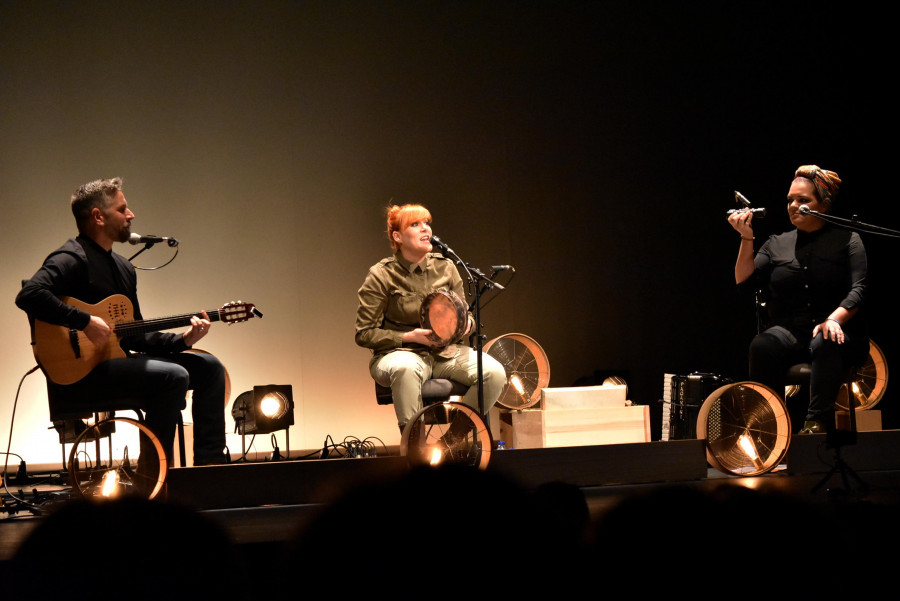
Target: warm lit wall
x=593, y=146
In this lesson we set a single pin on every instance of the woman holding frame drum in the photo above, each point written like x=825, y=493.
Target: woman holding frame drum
x=411, y=314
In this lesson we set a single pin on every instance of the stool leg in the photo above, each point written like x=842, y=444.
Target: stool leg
x=181, y=451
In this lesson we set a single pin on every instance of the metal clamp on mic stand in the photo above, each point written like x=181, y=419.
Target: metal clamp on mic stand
x=479, y=283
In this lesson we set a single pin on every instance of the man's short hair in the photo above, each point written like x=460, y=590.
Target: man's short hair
x=96, y=194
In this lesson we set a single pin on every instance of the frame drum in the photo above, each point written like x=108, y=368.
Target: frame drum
x=444, y=313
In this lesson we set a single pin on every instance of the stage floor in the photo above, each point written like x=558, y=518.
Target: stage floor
x=265, y=502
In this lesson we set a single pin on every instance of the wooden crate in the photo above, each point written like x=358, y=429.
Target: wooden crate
x=534, y=429
x=583, y=397
x=866, y=421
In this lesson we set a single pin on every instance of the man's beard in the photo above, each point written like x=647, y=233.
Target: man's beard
x=124, y=234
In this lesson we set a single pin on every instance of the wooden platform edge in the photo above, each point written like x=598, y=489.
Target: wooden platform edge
x=320, y=480
x=872, y=451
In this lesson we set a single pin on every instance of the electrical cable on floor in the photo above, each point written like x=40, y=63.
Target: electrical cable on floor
x=34, y=508
x=350, y=447
x=276, y=454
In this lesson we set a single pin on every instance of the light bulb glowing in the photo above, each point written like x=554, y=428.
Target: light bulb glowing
x=271, y=406
x=861, y=398
x=435, y=456
x=516, y=382
x=110, y=484
x=749, y=449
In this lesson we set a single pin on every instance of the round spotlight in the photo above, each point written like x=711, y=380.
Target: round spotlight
x=264, y=409
x=274, y=405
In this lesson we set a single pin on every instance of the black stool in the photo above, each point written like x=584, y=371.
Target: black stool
x=67, y=415
x=434, y=390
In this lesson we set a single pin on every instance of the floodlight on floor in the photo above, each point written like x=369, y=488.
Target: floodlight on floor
x=264, y=410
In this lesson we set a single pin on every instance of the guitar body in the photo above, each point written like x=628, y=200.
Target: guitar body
x=67, y=355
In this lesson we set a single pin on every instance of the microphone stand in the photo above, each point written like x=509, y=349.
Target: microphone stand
x=150, y=244
x=833, y=438
x=850, y=224
x=475, y=277
x=146, y=246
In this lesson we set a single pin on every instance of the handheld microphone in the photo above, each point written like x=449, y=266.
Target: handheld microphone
x=758, y=212
x=441, y=246
x=139, y=239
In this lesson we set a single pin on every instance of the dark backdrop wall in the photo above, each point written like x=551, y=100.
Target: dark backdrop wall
x=595, y=146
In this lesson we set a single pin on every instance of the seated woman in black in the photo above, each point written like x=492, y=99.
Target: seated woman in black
x=814, y=279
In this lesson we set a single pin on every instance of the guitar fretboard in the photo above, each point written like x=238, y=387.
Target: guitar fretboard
x=227, y=314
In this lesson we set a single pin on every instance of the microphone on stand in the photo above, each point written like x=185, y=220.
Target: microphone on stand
x=139, y=239
x=498, y=268
x=805, y=210
x=441, y=246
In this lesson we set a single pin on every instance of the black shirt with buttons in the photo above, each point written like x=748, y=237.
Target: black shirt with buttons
x=806, y=276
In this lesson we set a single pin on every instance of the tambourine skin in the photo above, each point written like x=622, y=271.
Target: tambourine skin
x=444, y=313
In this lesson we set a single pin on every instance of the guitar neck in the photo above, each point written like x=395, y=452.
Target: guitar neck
x=143, y=326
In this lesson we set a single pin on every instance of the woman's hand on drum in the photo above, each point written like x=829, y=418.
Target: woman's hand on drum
x=419, y=336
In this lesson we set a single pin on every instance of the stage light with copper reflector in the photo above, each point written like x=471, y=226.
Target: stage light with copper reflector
x=527, y=369
x=866, y=388
x=746, y=427
x=446, y=432
x=869, y=384
x=94, y=476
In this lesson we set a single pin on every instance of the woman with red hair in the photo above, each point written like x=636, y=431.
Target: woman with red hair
x=404, y=354
x=814, y=280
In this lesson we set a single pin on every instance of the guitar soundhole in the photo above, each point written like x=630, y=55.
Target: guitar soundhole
x=118, y=312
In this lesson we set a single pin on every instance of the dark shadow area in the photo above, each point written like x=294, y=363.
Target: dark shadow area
x=125, y=549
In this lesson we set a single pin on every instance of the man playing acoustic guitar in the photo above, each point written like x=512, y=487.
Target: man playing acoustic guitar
x=153, y=369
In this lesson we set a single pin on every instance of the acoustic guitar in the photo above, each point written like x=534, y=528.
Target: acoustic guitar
x=67, y=355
